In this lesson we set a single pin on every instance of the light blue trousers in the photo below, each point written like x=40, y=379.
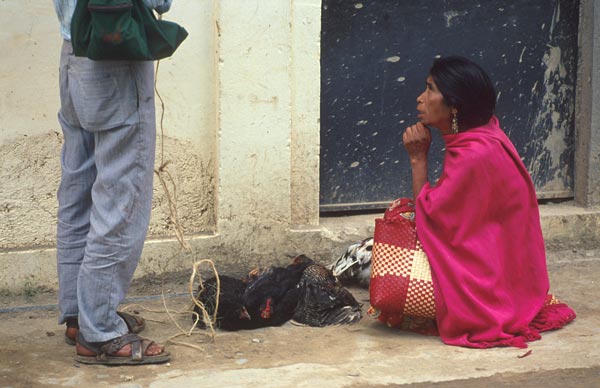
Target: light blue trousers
x=105, y=196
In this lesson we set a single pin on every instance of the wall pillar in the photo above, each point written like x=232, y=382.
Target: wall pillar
x=587, y=147
x=306, y=109
x=254, y=122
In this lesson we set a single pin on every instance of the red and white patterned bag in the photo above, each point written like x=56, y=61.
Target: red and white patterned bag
x=401, y=288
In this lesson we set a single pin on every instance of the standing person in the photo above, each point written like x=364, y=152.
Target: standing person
x=479, y=223
x=107, y=117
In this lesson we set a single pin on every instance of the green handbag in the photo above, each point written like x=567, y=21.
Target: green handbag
x=122, y=30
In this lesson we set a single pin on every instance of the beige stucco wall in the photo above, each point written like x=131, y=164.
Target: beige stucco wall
x=240, y=139
x=30, y=137
x=240, y=135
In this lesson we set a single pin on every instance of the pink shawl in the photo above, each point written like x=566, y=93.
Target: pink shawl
x=480, y=228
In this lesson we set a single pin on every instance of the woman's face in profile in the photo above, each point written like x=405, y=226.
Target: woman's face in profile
x=433, y=111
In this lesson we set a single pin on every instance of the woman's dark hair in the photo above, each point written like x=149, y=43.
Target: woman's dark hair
x=466, y=86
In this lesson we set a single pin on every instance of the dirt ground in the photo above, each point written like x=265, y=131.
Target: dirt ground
x=34, y=354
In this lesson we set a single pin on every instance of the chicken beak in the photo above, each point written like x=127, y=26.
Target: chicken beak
x=244, y=314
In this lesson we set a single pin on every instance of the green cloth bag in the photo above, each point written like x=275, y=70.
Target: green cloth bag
x=122, y=30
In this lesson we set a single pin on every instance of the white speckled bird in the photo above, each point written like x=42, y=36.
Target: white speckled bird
x=354, y=266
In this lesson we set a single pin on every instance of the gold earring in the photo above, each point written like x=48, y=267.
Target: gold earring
x=454, y=121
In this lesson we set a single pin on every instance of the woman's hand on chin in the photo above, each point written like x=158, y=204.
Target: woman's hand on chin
x=417, y=140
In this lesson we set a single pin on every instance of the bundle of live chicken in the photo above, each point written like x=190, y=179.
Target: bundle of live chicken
x=305, y=293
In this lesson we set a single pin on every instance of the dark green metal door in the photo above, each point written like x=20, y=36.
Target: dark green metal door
x=375, y=55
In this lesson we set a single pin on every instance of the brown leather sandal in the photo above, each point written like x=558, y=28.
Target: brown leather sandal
x=135, y=324
x=105, y=351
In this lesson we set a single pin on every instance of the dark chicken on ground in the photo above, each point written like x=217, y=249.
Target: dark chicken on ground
x=304, y=290
x=231, y=314
x=263, y=298
x=271, y=297
x=324, y=301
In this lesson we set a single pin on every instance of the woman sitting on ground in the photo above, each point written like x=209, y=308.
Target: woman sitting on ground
x=479, y=223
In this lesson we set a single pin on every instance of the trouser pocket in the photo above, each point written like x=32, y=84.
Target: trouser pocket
x=104, y=93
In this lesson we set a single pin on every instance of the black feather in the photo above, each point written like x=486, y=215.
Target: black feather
x=271, y=298
x=324, y=301
x=231, y=314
